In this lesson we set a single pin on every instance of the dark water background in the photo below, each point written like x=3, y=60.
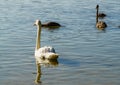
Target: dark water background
x=87, y=56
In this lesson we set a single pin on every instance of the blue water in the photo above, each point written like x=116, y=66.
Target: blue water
x=88, y=56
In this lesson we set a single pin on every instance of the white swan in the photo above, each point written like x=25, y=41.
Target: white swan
x=46, y=52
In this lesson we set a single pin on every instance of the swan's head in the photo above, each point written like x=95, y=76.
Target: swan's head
x=37, y=22
x=97, y=6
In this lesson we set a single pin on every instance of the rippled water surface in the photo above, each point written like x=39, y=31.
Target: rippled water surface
x=88, y=56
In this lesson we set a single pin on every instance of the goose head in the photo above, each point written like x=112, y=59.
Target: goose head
x=97, y=6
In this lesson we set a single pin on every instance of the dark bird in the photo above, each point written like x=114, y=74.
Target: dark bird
x=100, y=15
x=118, y=26
x=100, y=24
x=51, y=25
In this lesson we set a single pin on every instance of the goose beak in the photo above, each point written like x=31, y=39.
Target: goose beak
x=97, y=6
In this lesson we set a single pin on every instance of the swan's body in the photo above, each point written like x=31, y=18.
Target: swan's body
x=100, y=15
x=100, y=24
x=51, y=24
x=46, y=52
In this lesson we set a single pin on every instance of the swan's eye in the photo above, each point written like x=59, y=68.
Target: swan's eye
x=43, y=57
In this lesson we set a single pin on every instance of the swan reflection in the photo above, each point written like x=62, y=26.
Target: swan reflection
x=38, y=76
x=45, y=63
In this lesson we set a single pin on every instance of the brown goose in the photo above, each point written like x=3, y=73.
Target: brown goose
x=100, y=24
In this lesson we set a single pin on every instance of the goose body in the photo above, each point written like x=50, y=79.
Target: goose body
x=51, y=24
x=46, y=52
x=100, y=24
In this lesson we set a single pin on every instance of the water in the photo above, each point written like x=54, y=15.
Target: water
x=87, y=56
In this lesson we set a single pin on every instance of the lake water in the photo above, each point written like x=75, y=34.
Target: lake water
x=88, y=56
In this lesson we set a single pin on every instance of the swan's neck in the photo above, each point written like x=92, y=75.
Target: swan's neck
x=97, y=15
x=38, y=37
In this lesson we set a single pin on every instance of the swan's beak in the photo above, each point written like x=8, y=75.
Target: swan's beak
x=34, y=24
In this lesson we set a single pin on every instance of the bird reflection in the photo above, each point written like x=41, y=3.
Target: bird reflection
x=45, y=63
x=38, y=76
